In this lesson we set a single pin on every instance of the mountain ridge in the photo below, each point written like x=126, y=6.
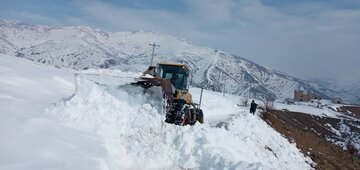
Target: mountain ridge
x=81, y=47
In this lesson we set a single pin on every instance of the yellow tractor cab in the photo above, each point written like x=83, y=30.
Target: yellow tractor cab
x=173, y=78
x=179, y=75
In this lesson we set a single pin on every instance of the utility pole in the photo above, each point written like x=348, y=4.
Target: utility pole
x=202, y=88
x=153, y=50
x=224, y=85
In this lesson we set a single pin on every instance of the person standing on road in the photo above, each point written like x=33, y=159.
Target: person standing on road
x=253, y=107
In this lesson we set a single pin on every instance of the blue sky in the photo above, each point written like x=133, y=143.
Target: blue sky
x=304, y=38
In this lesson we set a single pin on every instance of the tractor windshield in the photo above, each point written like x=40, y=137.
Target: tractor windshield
x=176, y=74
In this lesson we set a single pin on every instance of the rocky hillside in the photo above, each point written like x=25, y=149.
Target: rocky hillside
x=325, y=140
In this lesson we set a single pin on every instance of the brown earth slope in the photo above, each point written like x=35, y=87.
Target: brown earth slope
x=353, y=111
x=308, y=132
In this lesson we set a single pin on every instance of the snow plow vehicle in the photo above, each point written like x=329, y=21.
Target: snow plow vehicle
x=173, y=79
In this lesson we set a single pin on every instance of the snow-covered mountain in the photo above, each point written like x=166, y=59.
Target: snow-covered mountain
x=83, y=48
x=347, y=91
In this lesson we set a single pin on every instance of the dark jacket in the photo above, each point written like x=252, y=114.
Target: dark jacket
x=253, y=107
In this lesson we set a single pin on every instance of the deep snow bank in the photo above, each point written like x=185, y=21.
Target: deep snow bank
x=130, y=122
x=29, y=140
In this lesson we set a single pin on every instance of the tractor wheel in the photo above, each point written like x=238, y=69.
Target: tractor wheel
x=200, y=115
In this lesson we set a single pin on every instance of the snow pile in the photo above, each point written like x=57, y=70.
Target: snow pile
x=28, y=140
x=130, y=123
x=107, y=124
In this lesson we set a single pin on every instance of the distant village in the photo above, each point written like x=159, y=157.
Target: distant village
x=301, y=96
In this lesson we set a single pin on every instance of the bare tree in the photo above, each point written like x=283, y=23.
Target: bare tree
x=350, y=146
x=268, y=105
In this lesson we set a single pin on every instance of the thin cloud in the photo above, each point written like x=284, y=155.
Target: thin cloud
x=300, y=43
x=210, y=10
x=34, y=17
x=136, y=19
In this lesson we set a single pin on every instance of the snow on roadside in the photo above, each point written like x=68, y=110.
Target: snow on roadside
x=135, y=137
x=107, y=126
x=28, y=140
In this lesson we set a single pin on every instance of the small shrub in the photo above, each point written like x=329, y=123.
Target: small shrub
x=268, y=105
x=351, y=148
x=244, y=101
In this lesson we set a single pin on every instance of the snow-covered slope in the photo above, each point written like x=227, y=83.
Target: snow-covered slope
x=83, y=47
x=107, y=124
x=338, y=124
x=29, y=140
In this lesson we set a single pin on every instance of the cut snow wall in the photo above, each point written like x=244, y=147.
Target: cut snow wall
x=132, y=127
